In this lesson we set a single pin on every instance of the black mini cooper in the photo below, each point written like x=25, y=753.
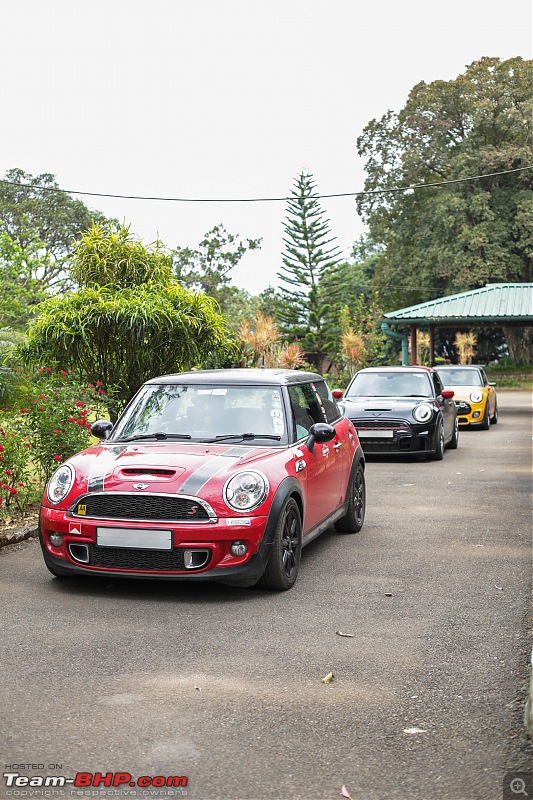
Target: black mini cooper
x=401, y=410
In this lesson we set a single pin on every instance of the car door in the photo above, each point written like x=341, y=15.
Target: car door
x=491, y=392
x=323, y=478
x=447, y=407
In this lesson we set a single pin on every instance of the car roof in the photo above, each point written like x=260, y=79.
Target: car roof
x=459, y=366
x=414, y=368
x=244, y=377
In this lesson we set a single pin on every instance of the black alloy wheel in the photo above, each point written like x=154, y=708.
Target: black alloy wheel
x=352, y=522
x=454, y=441
x=485, y=422
x=438, y=455
x=494, y=418
x=284, y=563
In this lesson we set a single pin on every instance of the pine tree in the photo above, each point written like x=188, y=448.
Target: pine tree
x=309, y=252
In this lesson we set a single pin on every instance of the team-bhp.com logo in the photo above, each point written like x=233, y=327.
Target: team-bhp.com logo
x=93, y=780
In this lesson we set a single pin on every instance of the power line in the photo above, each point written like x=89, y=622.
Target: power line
x=265, y=199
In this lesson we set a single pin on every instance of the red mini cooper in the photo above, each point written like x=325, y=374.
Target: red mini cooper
x=217, y=475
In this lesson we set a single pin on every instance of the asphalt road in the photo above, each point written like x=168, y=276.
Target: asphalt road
x=224, y=686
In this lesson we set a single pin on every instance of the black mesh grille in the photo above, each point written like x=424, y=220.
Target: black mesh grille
x=380, y=425
x=401, y=440
x=145, y=507
x=129, y=558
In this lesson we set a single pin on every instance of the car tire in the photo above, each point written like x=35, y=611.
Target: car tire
x=352, y=522
x=438, y=453
x=494, y=418
x=454, y=441
x=485, y=422
x=283, y=564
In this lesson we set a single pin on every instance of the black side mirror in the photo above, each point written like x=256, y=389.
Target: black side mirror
x=101, y=428
x=319, y=432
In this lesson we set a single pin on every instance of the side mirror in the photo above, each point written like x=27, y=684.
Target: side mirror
x=337, y=393
x=492, y=383
x=319, y=432
x=448, y=394
x=101, y=428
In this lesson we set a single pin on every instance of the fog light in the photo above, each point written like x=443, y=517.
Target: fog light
x=56, y=539
x=476, y=414
x=239, y=548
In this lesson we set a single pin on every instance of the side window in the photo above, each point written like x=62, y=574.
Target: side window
x=484, y=379
x=301, y=411
x=331, y=409
x=439, y=388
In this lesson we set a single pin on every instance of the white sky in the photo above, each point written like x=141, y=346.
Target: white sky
x=225, y=98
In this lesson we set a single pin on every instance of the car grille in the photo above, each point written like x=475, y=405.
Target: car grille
x=128, y=558
x=400, y=441
x=142, y=508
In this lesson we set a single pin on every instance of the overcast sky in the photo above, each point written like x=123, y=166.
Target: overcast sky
x=225, y=99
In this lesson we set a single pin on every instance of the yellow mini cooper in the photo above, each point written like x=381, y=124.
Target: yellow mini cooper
x=474, y=395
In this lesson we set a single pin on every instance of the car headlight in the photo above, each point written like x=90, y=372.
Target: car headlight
x=476, y=397
x=245, y=490
x=423, y=412
x=60, y=484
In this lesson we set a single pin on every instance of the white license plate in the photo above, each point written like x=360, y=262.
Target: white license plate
x=375, y=434
x=140, y=538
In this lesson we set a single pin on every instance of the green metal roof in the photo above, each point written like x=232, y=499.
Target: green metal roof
x=495, y=302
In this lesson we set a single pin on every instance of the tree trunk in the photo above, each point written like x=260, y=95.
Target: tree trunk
x=520, y=343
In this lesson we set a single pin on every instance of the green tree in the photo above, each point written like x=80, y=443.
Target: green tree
x=36, y=214
x=309, y=252
x=208, y=267
x=461, y=236
x=130, y=319
x=21, y=288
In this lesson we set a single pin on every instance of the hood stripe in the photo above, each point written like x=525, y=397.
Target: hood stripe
x=203, y=474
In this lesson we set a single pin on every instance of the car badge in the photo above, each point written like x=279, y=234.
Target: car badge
x=140, y=485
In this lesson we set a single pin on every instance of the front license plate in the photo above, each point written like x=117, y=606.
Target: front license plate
x=375, y=434
x=140, y=538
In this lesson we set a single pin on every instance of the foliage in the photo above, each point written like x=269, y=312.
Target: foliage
x=123, y=335
x=362, y=341
x=56, y=418
x=11, y=378
x=108, y=255
x=17, y=486
x=37, y=214
x=309, y=252
x=208, y=267
x=262, y=346
x=457, y=237
x=465, y=344
x=21, y=286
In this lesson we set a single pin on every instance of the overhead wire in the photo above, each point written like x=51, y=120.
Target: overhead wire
x=411, y=187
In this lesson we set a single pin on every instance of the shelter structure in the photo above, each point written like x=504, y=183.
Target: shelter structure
x=500, y=304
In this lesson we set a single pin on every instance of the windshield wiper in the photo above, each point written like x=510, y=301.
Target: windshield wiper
x=242, y=436
x=159, y=435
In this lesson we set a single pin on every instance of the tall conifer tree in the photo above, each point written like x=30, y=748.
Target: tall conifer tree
x=309, y=252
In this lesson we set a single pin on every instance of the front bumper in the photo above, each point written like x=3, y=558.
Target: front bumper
x=470, y=413
x=79, y=551
x=394, y=436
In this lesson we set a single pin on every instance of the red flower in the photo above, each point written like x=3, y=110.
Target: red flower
x=41, y=397
x=57, y=458
x=48, y=369
x=79, y=403
x=71, y=419
x=41, y=369
x=12, y=491
x=83, y=413
x=8, y=472
x=1, y=448
x=64, y=374
x=56, y=431
x=91, y=386
x=21, y=484
x=99, y=383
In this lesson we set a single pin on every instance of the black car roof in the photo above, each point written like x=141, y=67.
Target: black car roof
x=244, y=377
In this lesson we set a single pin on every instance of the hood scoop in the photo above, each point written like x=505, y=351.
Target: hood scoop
x=147, y=473
x=379, y=410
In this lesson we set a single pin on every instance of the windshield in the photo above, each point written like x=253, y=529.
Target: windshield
x=180, y=412
x=460, y=377
x=390, y=384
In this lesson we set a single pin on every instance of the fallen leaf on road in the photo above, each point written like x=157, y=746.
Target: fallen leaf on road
x=328, y=678
x=349, y=635
x=346, y=793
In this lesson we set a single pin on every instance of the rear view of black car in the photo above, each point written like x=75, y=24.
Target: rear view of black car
x=401, y=410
